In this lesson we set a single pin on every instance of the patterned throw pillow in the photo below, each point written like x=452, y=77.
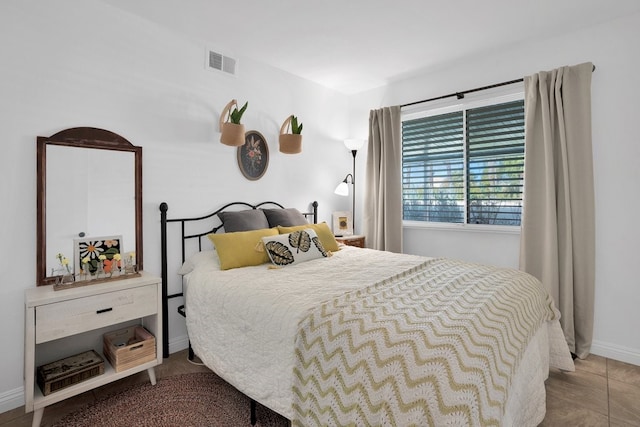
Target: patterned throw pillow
x=293, y=248
x=322, y=230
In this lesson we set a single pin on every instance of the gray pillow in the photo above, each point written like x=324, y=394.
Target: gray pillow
x=285, y=217
x=250, y=219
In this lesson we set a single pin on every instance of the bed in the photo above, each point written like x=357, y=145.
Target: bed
x=364, y=337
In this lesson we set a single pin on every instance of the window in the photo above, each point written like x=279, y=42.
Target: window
x=464, y=166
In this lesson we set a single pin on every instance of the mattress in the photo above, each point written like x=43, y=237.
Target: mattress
x=243, y=322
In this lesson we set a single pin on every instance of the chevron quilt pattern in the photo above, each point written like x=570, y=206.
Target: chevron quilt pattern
x=436, y=345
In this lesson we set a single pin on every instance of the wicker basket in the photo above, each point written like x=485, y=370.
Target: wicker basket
x=289, y=143
x=72, y=370
x=231, y=133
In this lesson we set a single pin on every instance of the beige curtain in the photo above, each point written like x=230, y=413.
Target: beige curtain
x=558, y=220
x=382, y=217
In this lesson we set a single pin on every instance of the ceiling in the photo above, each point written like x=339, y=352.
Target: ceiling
x=356, y=45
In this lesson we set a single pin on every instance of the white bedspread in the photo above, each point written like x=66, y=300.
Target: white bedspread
x=242, y=324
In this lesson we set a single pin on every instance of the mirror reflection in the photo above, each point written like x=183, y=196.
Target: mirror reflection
x=90, y=193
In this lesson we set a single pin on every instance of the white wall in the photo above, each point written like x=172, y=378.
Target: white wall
x=613, y=48
x=76, y=63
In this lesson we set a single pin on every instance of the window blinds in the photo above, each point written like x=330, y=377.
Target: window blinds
x=465, y=166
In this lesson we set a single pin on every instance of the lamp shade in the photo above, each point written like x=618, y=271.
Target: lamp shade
x=342, y=189
x=354, y=144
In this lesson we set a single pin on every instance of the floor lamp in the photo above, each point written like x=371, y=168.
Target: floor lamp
x=343, y=188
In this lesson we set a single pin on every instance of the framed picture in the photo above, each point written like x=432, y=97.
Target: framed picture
x=90, y=248
x=342, y=223
x=253, y=155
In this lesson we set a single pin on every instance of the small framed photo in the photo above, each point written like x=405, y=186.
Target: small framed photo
x=90, y=249
x=342, y=223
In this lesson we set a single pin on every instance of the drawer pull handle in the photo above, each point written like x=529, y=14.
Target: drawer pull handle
x=135, y=347
x=104, y=310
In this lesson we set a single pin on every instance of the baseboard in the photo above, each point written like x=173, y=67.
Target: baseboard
x=11, y=399
x=178, y=343
x=616, y=352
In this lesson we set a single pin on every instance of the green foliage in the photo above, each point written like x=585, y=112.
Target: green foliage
x=295, y=128
x=236, y=114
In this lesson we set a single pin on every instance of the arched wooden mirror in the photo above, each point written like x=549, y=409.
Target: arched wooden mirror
x=89, y=184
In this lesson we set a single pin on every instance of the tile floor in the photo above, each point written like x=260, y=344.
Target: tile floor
x=602, y=392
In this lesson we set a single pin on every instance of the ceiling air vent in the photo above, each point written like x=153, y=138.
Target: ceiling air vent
x=219, y=62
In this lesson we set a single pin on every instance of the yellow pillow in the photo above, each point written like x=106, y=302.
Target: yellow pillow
x=322, y=230
x=242, y=248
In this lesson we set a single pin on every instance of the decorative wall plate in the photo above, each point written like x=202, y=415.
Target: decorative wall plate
x=253, y=156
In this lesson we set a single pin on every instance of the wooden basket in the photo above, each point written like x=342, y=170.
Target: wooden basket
x=126, y=348
x=72, y=370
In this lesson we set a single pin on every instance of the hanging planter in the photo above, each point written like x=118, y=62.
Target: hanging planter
x=231, y=130
x=291, y=143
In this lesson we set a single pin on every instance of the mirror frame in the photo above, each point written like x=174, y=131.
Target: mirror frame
x=81, y=137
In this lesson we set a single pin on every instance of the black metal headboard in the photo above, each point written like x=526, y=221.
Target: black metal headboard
x=210, y=224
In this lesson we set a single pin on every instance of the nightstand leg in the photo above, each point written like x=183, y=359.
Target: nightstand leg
x=152, y=375
x=37, y=417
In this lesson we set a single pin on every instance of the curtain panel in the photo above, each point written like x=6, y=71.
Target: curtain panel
x=558, y=220
x=382, y=216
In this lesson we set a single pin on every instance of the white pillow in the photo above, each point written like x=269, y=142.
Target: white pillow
x=293, y=248
x=204, y=257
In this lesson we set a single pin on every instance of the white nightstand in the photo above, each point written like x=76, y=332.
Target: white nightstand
x=353, y=240
x=56, y=315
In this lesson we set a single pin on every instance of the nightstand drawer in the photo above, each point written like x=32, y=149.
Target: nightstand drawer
x=78, y=315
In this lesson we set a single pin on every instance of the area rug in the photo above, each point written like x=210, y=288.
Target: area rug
x=197, y=399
